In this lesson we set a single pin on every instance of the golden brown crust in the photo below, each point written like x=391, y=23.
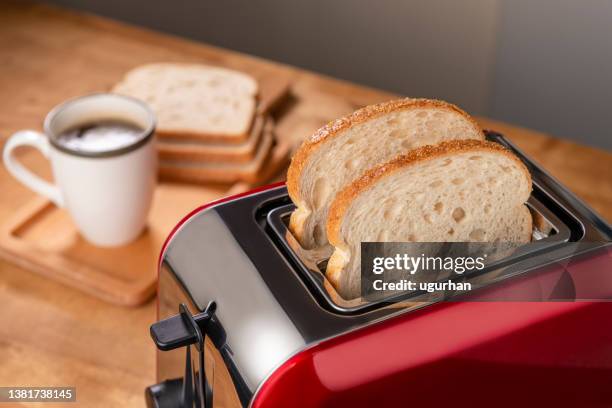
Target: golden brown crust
x=333, y=128
x=345, y=197
x=334, y=269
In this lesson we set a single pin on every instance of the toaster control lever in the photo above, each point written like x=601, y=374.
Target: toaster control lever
x=178, y=330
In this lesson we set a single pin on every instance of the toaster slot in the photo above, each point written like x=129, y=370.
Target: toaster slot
x=559, y=218
x=564, y=228
x=549, y=232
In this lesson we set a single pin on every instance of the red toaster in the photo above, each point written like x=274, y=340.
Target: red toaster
x=245, y=320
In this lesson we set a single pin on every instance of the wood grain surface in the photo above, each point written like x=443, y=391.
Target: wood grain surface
x=53, y=335
x=42, y=238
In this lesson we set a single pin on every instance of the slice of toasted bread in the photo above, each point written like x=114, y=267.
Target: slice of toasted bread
x=457, y=191
x=341, y=151
x=198, y=150
x=192, y=100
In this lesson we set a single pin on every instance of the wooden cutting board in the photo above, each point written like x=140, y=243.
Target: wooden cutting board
x=42, y=238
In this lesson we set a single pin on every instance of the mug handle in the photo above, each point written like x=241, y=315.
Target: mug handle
x=38, y=185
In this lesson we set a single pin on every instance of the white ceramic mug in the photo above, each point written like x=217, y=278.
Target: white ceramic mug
x=108, y=193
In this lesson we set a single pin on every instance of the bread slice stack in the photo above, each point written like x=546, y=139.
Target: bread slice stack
x=210, y=124
x=408, y=170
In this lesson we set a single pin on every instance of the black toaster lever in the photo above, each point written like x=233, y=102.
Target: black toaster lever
x=184, y=330
x=179, y=331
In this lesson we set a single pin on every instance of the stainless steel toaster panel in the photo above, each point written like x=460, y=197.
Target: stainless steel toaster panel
x=258, y=332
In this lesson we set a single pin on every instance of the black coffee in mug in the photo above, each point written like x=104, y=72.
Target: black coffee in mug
x=100, y=136
x=102, y=151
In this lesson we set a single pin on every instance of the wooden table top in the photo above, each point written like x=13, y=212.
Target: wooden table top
x=54, y=335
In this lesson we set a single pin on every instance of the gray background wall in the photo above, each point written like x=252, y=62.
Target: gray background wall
x=553, y=68
x=543, y=64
